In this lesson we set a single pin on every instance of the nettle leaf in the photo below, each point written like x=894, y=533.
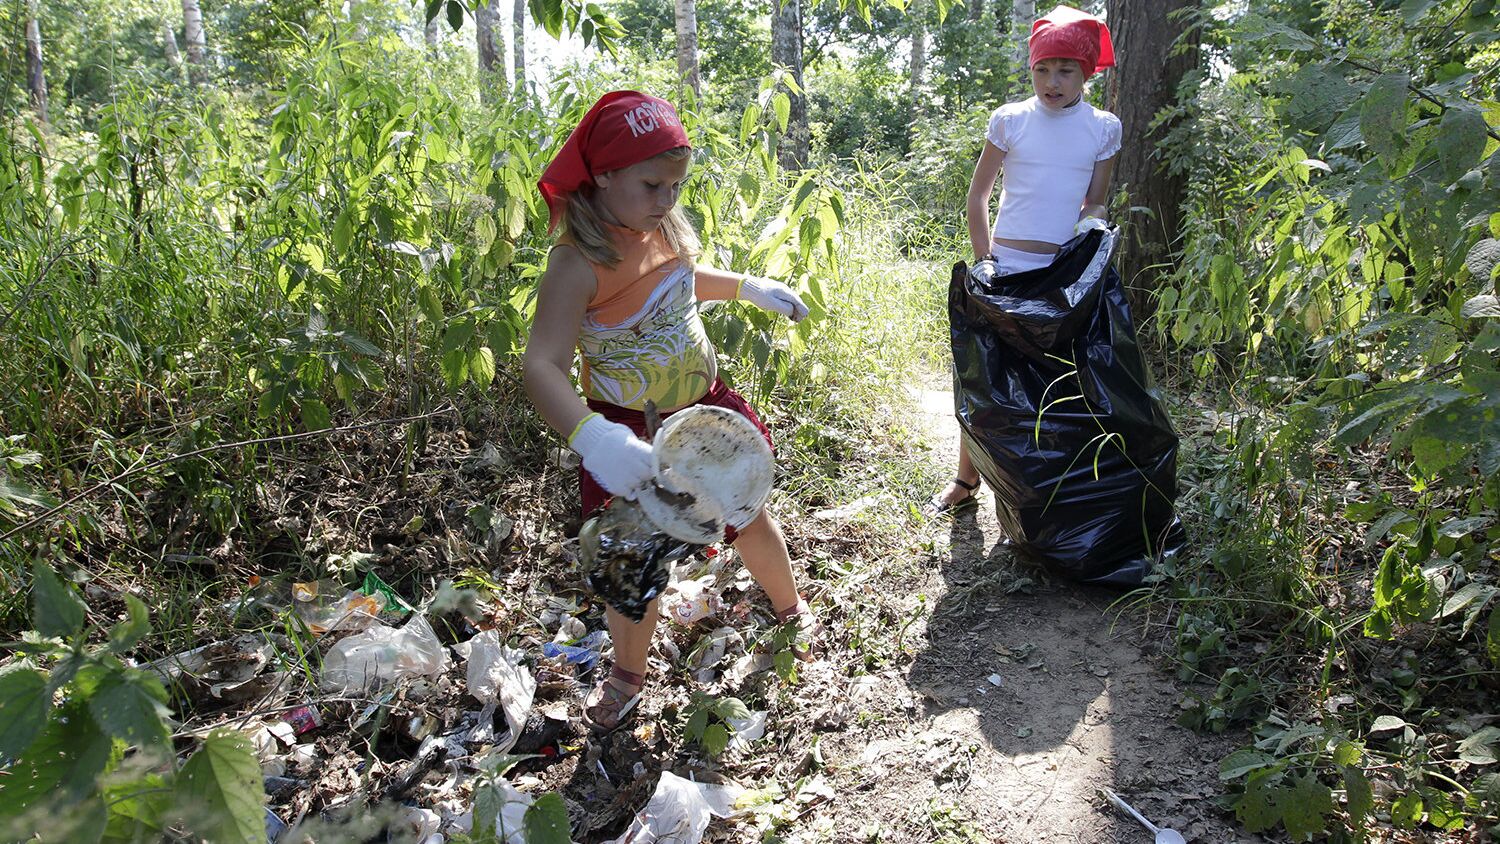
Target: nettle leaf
x=63, y=764
x=1483, y=305
x=1481, y=748
x=546, y=821
x=220, y=790
x=1359, y=795
x=715, y=739
x=1382, y=115
x=315, y=415
x=1305, y=808
x=136, y=626
x=131, y=706
x=1406, y=812
x=24, y=704
x=1316, y=92
x=1242, y=762
x=1460, y=140
x=138, y=809
x=1257, y=807
x=1482, y=259
x=57, y=611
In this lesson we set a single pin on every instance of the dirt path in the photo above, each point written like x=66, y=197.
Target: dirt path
x=1026, y=696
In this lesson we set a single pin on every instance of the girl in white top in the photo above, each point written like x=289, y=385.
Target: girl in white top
x=1057, y=153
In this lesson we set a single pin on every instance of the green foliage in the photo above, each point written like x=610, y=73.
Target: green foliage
x=1342, y=174
x=706, y=721
x=64, y=770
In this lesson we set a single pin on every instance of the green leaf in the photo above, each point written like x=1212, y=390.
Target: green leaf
x=1305, y=808
x=1256, y=808
x=1242, y=762
x=1483, y=305
x=220, y=790
x=482, y=366
x=57, y=611
x=1386, y=724
x=63, y=764
x=1406, y=812
x=731, y=709
x=488, y=803
x=1460, y=140
x=1492, y=636
x=1382, y=115
x=782, y=105
x=715, y=739
x=137, y=810
x=1481, y=747
x=24, y=704
x=696, y=724
x=131, y=706
x=456, y=14
x=1347, y=753
x=546, y=821
x=136, y=626
x=315, y=415
x=1359, y=796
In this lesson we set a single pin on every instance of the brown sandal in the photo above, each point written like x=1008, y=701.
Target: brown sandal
x=807, y=645
x=936, y=506
x=607, y=704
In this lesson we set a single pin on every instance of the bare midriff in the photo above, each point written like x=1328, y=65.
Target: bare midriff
x=1036, y=247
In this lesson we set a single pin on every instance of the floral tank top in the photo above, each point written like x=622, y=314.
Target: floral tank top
x=642, y=337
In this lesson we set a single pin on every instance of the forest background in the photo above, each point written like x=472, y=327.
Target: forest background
x=242, y=236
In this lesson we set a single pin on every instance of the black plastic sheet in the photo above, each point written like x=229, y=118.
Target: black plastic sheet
x=1061, y=415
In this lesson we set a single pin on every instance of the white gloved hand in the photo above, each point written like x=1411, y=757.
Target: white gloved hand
x=771, y=295
x=620, y=461
x=1088, y=223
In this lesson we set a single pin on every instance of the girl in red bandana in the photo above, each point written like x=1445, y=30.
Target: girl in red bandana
x=621, y=288
x=1057, y=154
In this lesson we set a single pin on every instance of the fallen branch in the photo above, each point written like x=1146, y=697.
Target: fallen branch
x=141, y=467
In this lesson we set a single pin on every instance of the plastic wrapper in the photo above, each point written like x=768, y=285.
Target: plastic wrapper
x=627, y=559
x=383, y=654
x=1059, y=411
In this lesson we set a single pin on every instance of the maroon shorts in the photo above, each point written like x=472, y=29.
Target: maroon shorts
x=719, y=395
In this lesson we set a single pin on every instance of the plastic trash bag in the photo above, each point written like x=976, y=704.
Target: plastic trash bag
x=496, y=675
x=383, y=654
x=679, y=811
x=1060, y=413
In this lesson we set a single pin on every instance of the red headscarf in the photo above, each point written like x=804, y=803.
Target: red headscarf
x=623, y=128
x=1066, y=33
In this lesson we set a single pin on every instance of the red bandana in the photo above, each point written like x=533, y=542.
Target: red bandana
x=623, y=128
x=1066, y=33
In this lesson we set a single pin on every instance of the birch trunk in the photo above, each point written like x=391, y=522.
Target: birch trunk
x=36, y=72
x=1022, y=14
x=169, y=46
x=1143, y=82
x=197, y=41
x=687, y=46
x=485, y=18
x=786, y=51
x=518, y=41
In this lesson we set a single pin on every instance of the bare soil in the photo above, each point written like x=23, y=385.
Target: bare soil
x=1026, y=696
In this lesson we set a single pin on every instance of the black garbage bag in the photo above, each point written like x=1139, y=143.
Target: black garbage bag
x=1061, y=415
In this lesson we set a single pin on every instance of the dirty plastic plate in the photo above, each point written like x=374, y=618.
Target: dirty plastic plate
x=713, y=468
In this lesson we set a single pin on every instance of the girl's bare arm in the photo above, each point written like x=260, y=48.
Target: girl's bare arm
x=1096, y=201
x=713, y=284
x=980, y=187
x=562, y=297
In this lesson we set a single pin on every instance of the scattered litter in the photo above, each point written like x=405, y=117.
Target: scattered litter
x=323, y=613
x=275, y=826
x=585, y=652
x=1163, y=836
x=847, y=511
x=569, y=628
x=746, y=730
x=228, y=671
x=384, y=654
x=747, y=665
x=1023, y=732
x=679, y=811
x=996, y=680
x=496, y=675
x=717, y=645
x=691, y=601
x=303, y=719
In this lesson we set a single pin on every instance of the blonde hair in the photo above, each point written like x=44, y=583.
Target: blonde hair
x=584, y=225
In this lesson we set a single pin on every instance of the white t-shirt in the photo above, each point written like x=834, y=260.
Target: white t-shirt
x=1049, y=162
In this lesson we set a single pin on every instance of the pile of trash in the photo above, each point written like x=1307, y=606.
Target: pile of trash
x=410, y=706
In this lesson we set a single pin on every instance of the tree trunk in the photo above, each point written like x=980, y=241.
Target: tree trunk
x=197, y=41
x=918, y=69
x=485, y=18
x=36, y=74
x=169, y=46
x=432, y=35
x=518, y=40
x=1143, y=82
x=1022, y=15
x=687, y=46
x=786, y=51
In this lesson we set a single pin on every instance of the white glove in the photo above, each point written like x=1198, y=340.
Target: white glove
x=620, y=461
x=1088, y=223
x=771, y=295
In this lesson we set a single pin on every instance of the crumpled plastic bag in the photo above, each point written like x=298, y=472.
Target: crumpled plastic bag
x=690, y=601
x=383, y=655
x=496, y=676
x=679, y=811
